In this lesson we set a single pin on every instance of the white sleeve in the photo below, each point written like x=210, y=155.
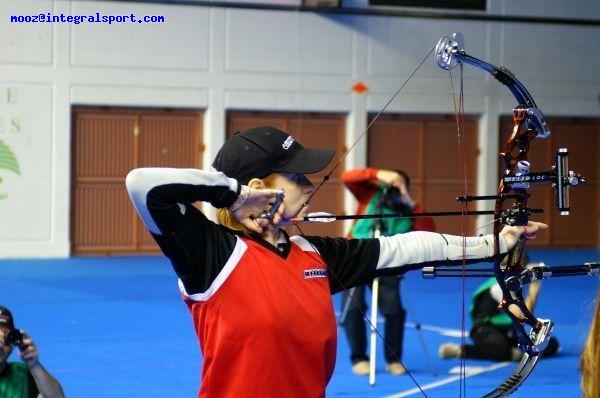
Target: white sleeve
x=421, y=247
x=141, y=181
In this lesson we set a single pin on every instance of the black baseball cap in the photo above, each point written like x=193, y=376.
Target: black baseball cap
x=261, y=151
x=6, y=318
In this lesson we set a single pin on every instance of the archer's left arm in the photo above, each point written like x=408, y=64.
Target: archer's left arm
x=424, y=247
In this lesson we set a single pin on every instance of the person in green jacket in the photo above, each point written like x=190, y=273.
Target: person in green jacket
x=380, y=191
x=494, y=337
x=27, y=379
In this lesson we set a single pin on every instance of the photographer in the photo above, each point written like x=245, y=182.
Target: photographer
x=28, y=379
x=380, y=191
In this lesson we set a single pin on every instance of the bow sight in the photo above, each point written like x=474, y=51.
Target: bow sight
x=560, y=176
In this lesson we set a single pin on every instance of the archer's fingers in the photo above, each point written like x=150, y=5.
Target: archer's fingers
x=252, y=224
x=537, y=225
x=534, y=226
x=530, y=230
x=263, y=222
x=278, y=216
x=261, y=197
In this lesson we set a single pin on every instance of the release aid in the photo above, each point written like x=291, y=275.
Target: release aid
x=271, y=212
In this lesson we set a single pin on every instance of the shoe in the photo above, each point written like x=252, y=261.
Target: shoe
x=395, y=368
x=449, y=350
x=361, y=368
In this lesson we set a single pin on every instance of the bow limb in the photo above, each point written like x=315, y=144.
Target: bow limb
x=450, y=53
x=532, y=343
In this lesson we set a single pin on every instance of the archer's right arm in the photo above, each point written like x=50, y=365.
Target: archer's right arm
x=197, y=247
x=162, y=196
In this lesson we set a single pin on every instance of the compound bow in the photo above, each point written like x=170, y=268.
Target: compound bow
x=529, y=124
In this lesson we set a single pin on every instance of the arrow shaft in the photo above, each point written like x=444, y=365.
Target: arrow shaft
x=333, y=217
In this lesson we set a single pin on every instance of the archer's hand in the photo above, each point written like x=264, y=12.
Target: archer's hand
x=529, y=231
x=258, y=201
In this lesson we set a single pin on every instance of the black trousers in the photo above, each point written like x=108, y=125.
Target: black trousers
x=489, y=342
x=390, y=306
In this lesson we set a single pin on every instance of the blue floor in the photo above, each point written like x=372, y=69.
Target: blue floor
x=116, y=327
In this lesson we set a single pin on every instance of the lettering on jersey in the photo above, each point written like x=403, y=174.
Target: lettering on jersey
x=288, y=143
x=315, y=273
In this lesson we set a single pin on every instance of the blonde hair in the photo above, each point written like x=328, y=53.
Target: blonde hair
x=590, y=357
x=225, y=216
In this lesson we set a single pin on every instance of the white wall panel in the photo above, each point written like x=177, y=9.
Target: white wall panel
x=25, y=43
x=552, y=52
x=26, y=194
x=589, y=9
x=584, y=9
x=287, y=100
x=179, y=43
x=283, y=42
x=398, y=45
x=140, y=96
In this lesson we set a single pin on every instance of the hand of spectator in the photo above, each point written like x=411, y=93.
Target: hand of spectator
x=28, y=351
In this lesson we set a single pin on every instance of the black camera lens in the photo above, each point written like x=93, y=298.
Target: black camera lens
x=13, y=337
x=391, y=193
x=392, y=197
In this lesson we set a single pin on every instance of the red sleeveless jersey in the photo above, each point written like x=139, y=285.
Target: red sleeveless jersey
x=266, y=325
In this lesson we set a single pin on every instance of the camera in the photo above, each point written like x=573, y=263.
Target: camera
x=13, y=337
x=392, y=197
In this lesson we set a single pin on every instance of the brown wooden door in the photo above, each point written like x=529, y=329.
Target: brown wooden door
x=582, y=138
x=426, y=148
x=107, y=144
x=312, y=130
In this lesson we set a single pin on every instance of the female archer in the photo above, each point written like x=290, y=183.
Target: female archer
x=259, y=298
